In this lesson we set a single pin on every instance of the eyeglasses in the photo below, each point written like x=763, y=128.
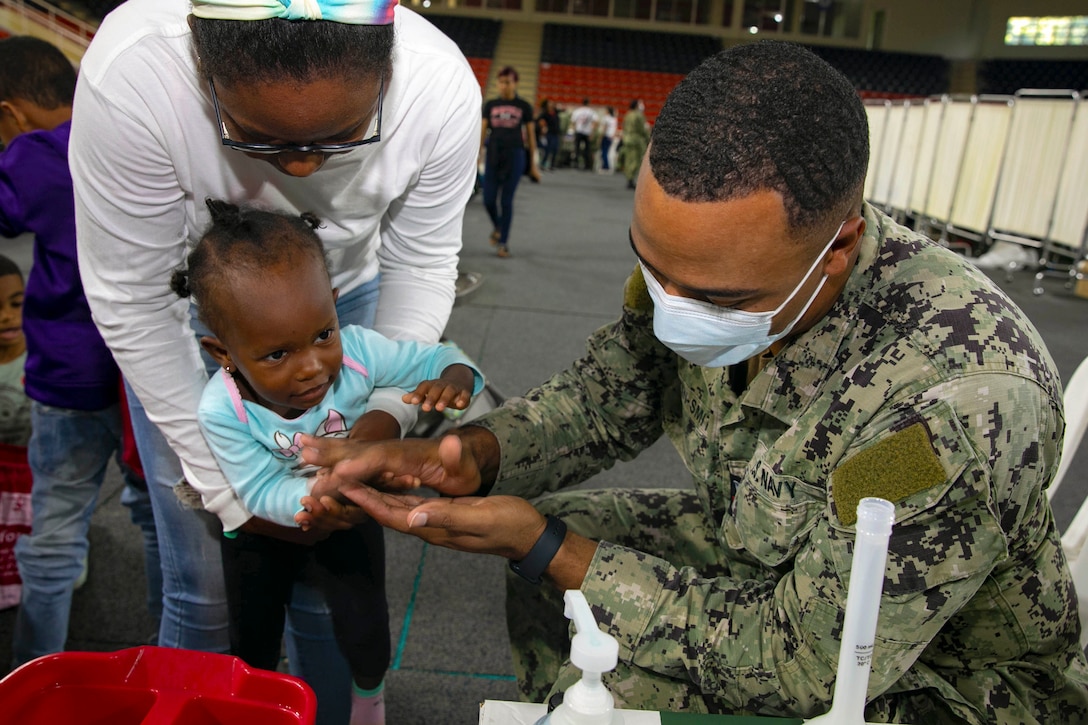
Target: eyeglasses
x=279, y=148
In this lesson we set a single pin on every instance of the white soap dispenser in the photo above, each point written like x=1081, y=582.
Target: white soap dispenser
x=588, y=701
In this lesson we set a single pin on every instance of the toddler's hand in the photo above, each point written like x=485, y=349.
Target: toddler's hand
x=322, y=484
x=439, y=395
x=327, y=514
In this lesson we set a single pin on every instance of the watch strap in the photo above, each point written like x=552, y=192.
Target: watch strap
x=532, y=567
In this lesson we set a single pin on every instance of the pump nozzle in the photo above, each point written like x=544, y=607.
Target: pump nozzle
x=588, y=701
x=591, y=650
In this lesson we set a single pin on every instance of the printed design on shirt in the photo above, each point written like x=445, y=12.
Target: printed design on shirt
x=505, y=116
x=334, y=426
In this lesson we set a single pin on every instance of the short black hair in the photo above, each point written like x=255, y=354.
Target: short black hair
x=242, y=241
x=764, y=116
x=7, y=266
x=36, y=71
x=509, y=70
x=257, y=51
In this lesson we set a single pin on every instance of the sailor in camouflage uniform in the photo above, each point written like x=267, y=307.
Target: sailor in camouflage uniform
x=894, y=369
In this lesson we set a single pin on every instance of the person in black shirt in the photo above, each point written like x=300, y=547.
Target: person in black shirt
x=548, y=125
x=506, y=131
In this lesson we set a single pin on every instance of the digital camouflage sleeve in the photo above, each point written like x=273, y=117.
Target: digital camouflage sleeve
x=924, y=385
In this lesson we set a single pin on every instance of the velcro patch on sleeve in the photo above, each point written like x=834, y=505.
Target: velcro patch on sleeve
x=897, y=467
x=635, y=294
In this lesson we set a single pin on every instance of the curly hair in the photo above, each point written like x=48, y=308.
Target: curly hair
x=35, y=71
x=242, y=241
x=764, y=116
x=256, y=51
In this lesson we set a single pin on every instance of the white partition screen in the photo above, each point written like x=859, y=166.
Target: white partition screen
x=877, y=111
x=888, y=167
x=976, y=183
x=948, y=157
x=906, y=157
x=932, y=115
x=1070, y=224
x=1033, y=163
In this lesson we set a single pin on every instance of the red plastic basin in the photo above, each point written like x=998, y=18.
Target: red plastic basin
x=152, y=686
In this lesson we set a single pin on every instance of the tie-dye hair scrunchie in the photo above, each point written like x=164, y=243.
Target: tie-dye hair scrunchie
x=355, y=12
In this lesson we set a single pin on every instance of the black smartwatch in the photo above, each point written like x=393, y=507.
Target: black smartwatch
x=532, y=567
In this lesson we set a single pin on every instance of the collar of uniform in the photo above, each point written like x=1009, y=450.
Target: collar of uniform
x=791, y=379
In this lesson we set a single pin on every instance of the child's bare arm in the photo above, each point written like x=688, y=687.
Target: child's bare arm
x=452, y=390
x=375, y=425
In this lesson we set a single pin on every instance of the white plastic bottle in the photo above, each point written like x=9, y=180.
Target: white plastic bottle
x=588, y=701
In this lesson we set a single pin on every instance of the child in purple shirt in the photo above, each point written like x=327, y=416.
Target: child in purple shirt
x=70, y=375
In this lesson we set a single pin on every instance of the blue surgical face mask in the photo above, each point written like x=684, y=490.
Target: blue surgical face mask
x=712, y=336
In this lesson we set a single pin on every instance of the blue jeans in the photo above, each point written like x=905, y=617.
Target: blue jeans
x=69, y=452
x=551, y=148
x=137, y=499
x=501, y=207
x=195, y=614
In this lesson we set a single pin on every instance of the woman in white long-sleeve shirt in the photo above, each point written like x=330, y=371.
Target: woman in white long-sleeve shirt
x=368, y=121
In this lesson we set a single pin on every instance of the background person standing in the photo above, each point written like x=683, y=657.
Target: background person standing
x=584, y=120
x=608, y=134
x=636, y=136
x=506, y=130
x=548, y=130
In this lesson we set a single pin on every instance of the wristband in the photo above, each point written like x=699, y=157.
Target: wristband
x=532, y=567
